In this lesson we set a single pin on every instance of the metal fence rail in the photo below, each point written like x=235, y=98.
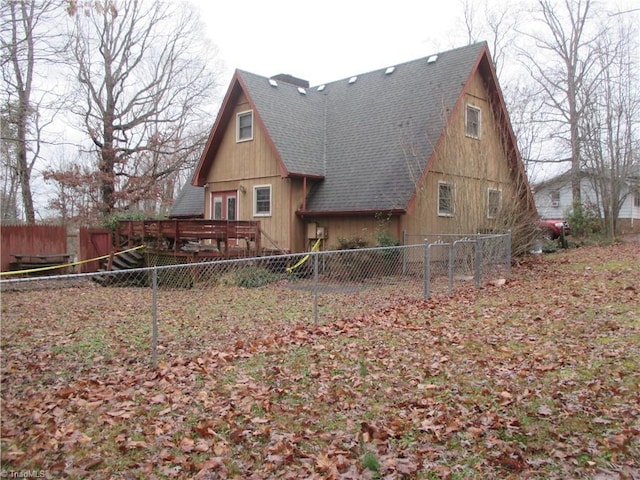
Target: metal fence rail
x=301, y=287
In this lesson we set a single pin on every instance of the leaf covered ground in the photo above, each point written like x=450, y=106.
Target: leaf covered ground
x=538, y=377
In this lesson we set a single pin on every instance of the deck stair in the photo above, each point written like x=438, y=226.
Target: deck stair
x=121, y=262
x=127, y=260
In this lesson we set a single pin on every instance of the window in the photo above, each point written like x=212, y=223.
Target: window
x=494, y=202
x=472, y=122
x=217, y=208
x=636, y=199
x=445, y=199
x=244, y=124
x=555, y=198
x=231, y=207
x=262, y=200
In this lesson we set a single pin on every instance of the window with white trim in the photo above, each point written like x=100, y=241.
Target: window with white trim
x=262, y=201
x=244, y=126
x=472, y=121
x=445, y=199
x=636, y=199
x=494, y=202
x=555, y=198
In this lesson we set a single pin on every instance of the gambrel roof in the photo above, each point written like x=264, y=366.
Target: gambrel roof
x=368, y=138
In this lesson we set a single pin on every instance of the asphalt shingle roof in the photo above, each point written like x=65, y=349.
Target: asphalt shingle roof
x=370, y=139
x=189, y=203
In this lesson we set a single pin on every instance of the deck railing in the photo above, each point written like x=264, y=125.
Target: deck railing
x=173, y=234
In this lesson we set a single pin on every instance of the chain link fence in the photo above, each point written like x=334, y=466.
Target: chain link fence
x=237, y=296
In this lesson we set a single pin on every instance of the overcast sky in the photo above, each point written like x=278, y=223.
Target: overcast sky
x=326, y=40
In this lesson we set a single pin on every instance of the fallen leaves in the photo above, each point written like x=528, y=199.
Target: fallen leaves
x=537, y=376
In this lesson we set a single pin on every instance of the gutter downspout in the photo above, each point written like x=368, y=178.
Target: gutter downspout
x=304, y=194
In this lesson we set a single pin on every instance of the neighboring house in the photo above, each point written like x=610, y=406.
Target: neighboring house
x=554, y=199
x=422, y=147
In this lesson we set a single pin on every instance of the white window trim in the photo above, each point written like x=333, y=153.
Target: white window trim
x=499, y=191
x=453, y=197
x=466, y=121
x=255, y=201
x=238, y=115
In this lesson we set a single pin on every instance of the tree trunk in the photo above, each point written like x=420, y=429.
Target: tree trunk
x=24, y=174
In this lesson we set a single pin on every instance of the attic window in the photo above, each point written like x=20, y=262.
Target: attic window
x=302, y=91
x=244, y=126
x=352, y=80
x=273, y=83
x=389, y=70
x=432, y=59
x=472, y=121
x=321, y=88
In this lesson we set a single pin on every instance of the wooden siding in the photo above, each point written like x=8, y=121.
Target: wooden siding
x=349, y=228
x=241, y=166
x=472, y=166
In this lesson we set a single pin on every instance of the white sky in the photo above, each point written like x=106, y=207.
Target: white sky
x=326, y=40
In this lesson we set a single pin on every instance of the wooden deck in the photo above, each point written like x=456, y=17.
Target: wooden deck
x=192, y=237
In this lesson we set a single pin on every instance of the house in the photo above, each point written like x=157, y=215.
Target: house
x=554, y=198
x=421, y=147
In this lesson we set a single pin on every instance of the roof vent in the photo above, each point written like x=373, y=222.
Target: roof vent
x=432, y=59
x=273, y=83
x=352, y=80
x=302, y=91
x=389, y=70
x=321, y=87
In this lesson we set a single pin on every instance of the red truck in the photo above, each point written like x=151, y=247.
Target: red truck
x=552, y=228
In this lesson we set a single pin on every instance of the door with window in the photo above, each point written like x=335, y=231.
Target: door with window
x=224, y=205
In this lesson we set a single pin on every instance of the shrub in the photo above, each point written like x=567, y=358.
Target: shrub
x=112, y=220
x=583, y=219
x=250, y=277
x=352, y=243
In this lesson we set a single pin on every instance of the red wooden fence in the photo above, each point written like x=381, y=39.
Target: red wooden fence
x=31, y=239
x=93, y=243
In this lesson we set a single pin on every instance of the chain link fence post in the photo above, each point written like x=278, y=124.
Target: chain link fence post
x=478, y=261
x=452, y=252
x=154, y=318
x=508, y=254
x=427, y=270
x=315, y=288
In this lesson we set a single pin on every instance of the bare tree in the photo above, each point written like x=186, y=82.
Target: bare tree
x=499, y=26
x=484, y=20
x=144, y=75
x=28, y=40
x=563, y=61
x=8, y=175
x=611, y=121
